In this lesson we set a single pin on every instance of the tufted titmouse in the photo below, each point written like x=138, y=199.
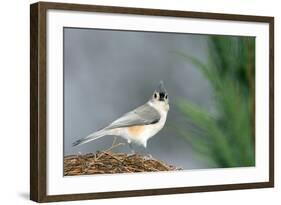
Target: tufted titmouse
x=138, y=125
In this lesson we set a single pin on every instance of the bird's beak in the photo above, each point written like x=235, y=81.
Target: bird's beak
x=162, y=96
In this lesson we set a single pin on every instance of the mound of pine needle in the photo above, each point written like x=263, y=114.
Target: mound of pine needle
x=108, y=162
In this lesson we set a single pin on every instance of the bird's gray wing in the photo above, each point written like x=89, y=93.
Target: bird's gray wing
x=143, y=115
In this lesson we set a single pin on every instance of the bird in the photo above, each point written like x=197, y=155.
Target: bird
x=138, y=125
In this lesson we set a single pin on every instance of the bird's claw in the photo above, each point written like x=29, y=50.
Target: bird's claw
x=148, y=157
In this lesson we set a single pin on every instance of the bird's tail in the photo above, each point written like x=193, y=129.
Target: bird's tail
x=91, y=137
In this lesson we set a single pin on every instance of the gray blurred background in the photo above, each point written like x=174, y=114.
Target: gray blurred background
x=108, y=73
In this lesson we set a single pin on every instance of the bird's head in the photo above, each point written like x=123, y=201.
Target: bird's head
x=160, y=96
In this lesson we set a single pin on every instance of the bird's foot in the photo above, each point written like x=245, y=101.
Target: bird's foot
x=147, y=156
x=132, y=153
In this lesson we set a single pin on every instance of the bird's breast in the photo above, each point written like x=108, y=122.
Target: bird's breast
x=136, y=131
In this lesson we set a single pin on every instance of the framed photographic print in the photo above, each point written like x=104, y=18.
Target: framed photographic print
x=133, y=102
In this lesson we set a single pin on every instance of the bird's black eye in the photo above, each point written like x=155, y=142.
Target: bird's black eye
x=166, y=97
x=155, y=95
